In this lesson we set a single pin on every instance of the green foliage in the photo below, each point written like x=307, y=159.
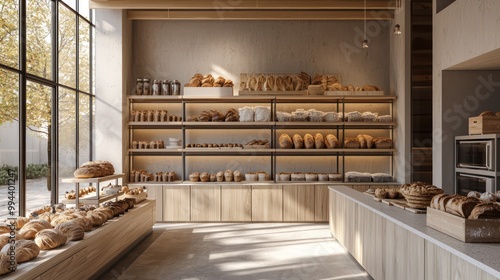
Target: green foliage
x=33, y=171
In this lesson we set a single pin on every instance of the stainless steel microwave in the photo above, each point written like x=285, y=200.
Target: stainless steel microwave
x=476, y=154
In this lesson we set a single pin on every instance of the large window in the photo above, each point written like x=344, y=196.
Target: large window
x=46, y=98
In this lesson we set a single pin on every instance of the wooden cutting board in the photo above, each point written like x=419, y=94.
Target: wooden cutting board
x=398, y=202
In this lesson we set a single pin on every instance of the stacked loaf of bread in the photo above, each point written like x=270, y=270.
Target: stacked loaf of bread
x=226, y=176
x=365, y=141
x=199, y=80
x=473, y=206
x=330, y=141
x=339, y=87
x=215, y=146
x=274, y=82
x=231, y=115
x=92, y=169
x=419, y=194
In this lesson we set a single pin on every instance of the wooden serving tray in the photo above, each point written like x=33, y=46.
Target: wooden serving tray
x=138, y=198
x=398, y=202
x=465, y=230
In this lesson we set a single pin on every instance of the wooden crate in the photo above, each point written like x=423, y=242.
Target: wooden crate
x=484, y=125
x=465, y=230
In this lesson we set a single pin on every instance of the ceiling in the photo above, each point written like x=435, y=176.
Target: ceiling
x=252, y=9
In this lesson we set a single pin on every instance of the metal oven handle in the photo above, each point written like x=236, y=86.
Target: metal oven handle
x=488, y=156
x=472, y=176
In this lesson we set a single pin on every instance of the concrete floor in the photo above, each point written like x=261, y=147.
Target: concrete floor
x=238, y=251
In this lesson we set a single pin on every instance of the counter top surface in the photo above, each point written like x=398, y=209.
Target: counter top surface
x=483, y=255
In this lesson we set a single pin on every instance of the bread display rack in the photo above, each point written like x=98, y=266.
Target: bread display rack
x=92, y=199
x=183, y=105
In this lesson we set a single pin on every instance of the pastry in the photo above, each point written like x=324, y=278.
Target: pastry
x=311, y=177
x=309, y=142
x=194, y=177
x=285, y=141
x=461, y=205
x=228, y=83
x=381, y=193
x=351, y=143
x=362, y=141
x=49, y=239
x=485, y=211
x=319, y=141
x=270, y=83
x=331, y=141
x=393, y=193
x=298, y=176
x=288, y=83
x=220, y=176
x=25, y=250
x=204, y=177
x=30, y=229
x=252, y=84
x=219, y=82
x=298, y=141
x=237, y=176
x=71, y=229
x=228, y=175
x=280, y=84
x=260, y=83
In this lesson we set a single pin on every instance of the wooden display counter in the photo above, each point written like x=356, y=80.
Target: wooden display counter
x=391, y=243
x=100, y=248
x=245, y=201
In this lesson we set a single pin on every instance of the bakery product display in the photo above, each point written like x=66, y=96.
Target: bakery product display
x=94, y=169
x=274, y=82
x=30, y=229
x=419, y=195
x=461, y=205
x=485, y=210
x=199, y=80
x=353, y=176
x=285, y=142
x=71, y=229
x=48, y=239
x=25, y=250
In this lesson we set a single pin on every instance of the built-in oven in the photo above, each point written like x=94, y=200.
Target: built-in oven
x=472, y=182
x=475, y=154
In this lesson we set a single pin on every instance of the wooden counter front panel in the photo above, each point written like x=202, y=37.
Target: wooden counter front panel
x=176, y=203
x=156, y=192
x=441, y=264
x=236, y=203
x=298, y=203
x=267, y=203
x=205, y=203
x=321, y=203
x=385, y=250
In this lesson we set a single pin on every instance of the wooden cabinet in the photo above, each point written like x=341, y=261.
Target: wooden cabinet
x=156, y=192
x=267, y=203
x=236, y=203
x=321, y=203
x=205, y=203
x=298, y=203
x=176, y=203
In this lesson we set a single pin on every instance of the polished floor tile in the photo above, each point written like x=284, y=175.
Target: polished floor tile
x=238, y=251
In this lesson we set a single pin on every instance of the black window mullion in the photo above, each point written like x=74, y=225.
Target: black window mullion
x=77, y=99
x=91, y=86
x=22, y=107
x=54, y=144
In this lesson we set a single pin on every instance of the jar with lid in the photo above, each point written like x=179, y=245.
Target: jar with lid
x=165, y=88
x=146, y=86
x=176, y=87
x=156, y=87
x=138, y=86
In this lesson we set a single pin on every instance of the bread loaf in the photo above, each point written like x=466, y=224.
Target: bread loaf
x=435, y=200
x=30, y=229
x=49, y=239
x=351, y=143
x=285, y=141
x=5, y=265
x=26, y=250
x=382, y=143
x=319, y=141
x=270, y=83
x=331, y=141
x=309, y=142
x=369, y=141
x=461, y=206
x=298, y=141
x=72, y=230
x=381, y=193
x=362, y=141
x=486, y=210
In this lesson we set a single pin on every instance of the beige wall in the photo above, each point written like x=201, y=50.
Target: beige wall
x=465, y=37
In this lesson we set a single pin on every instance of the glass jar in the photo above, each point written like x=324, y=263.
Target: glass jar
x=146, y=86
x=138, y=86
x=156, y=87
x=176, y=87
x=165, y=88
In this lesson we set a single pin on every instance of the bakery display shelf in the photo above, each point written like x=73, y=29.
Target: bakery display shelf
x=368, y=99
x=91, y=200
x=370, y=124
x=285, y=125
x=155, y=98
x=227, y=151
x=93, y=180
x=315, y=152
x=155, y=125
x=232, y=99
x=300, y=93
x=155, y=151
x=152, y=183
x=310, y=99
x=222, y=125
x=253, y=183
x=367, y=151
x=350, y=93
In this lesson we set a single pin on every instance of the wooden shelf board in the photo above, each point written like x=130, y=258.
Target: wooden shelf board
x=150, y=125
x=243, y=125
x=92, y=199
x=155, y=98
x=93, y=180
x=280, y=125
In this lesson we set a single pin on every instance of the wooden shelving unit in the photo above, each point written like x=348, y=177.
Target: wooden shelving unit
x=94, y=199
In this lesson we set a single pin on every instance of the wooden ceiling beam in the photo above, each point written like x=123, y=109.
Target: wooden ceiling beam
x=258, y=15
x=243, y=4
